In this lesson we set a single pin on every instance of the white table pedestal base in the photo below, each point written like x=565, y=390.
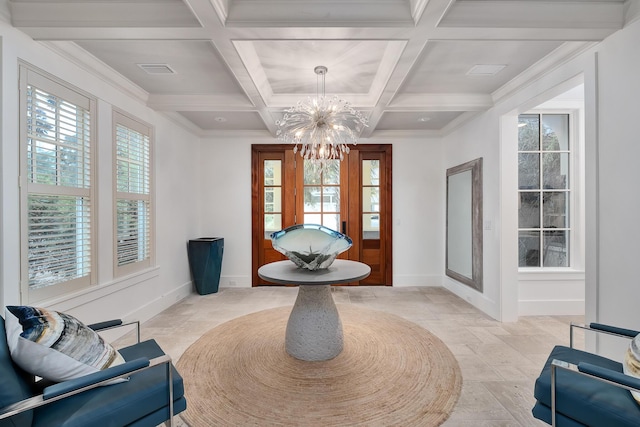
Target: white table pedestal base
x=314, y=329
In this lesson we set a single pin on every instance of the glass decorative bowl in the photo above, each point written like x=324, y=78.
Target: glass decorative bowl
x=310, y=246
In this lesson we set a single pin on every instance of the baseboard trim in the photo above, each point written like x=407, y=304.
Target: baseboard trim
x=401, y=280
x=161, y=303
x=551, y=308
x=149, y=310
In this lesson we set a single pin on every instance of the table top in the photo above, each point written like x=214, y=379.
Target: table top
x=287, y=273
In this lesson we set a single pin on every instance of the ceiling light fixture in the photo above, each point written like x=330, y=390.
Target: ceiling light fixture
x=323, y=126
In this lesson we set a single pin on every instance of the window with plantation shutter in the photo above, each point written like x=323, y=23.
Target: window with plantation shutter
x=56, y=172
x=133, y=204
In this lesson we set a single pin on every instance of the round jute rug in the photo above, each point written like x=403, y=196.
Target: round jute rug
x=391, y=372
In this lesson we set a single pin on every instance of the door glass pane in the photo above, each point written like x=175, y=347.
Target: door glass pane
x=321, y=194
x=556, y=248
x=331, y=199
x=272, y=172
x=331, y=221
x=528, y=171
x=273, y=199
x=272, y=202
x=529, y=210
x=370, y=199
x=555, y=209
x=272, y=223
x=371, y=226
x=313, y=218
x=312, y=173
x=529, y=249
x=371, y=172
x=331, y=173
x=555, y=132
x=528, y=132
x=312, y=199
x=555, y=170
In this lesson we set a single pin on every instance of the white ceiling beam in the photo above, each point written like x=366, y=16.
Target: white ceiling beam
x=101, y=14
x=535, y=14
x=441, y=102
x=114, y=33
x=200, y=102
x=322, y=13
x=222, y=39
x=414, y=47
x=525, y=34
x=138, y=33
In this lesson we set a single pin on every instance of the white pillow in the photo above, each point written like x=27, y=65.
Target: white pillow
x=55, y=345
x=631, y=365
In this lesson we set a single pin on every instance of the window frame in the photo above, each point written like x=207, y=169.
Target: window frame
x=121, y=118
x=573, y=189
x=32, y=76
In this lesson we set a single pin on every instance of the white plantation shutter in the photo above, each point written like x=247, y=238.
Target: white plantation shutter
x=57, y=140
x=133, y=194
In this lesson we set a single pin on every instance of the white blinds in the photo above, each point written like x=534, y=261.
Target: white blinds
x=133, y=195
x=59, y=181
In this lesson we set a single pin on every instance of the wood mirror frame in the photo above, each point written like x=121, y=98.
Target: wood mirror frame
x=463, y=257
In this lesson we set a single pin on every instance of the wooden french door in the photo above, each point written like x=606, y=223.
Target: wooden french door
x=352, y=196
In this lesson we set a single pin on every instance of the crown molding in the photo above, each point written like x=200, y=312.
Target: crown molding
x=560, y=56
x=80, y=57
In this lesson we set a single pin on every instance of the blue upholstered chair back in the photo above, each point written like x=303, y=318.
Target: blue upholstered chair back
x=15, y=384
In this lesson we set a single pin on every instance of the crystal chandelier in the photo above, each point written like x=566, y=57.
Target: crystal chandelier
x=323, y=126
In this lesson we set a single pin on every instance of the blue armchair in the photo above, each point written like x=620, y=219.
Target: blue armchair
x=146, y=399
x=577, y=389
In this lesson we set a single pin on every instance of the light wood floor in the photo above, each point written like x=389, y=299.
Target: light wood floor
x=499, y=361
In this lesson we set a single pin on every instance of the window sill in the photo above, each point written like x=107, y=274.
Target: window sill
x=542, y=274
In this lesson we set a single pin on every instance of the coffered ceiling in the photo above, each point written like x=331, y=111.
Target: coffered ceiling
x=410, y=65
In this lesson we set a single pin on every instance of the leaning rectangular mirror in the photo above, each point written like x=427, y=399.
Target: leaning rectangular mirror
x=464, y=223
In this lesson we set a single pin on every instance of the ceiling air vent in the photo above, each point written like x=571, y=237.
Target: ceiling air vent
x=485, y=69
x=157, y=68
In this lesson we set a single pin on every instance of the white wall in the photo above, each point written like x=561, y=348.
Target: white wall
x=479, y=138
x=491, y=135
x=612, y=274
x=418, y=194
x=177, y=187
x=612, y=90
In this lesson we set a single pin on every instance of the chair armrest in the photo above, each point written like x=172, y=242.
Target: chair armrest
x=112, y=373
x=116, y=323
x=105, y=325
x=602, y=328
x=612, y=377
x=599, y=373
x=69, y=388
x=629, y=333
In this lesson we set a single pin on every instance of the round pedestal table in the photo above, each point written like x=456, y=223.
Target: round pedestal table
x=314, y=329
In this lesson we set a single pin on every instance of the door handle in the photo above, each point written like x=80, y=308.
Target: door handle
x=344, y=227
